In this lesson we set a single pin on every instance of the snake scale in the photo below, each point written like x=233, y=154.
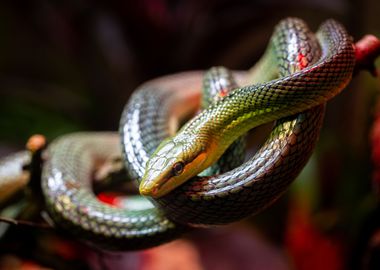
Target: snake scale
x=298, y=73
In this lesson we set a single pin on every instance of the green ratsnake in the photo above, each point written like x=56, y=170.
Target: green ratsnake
x=298, y=73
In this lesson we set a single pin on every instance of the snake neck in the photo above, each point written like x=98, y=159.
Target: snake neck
x=211, y=137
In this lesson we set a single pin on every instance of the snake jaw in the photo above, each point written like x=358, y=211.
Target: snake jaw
x=161, y=175
x=156, y=184
x=147, y=189
x=154, y=190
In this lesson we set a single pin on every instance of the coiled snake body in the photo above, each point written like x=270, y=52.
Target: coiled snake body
x=296, y=76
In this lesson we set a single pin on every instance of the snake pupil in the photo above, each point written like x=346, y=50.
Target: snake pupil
x=178, y=168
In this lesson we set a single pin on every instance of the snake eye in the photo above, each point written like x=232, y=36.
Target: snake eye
x=178, y=168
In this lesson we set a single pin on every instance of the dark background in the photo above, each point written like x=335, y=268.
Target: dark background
x=71, y=65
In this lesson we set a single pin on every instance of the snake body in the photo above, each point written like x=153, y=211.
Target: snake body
x=67, y=185
x=202, y=141
x=153, y=113
x=254, y=185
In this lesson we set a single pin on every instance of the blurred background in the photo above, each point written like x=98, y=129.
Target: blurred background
x=71, y=66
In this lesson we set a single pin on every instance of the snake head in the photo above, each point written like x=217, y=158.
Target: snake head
x=175, y=161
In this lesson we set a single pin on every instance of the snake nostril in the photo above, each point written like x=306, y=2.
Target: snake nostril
x=155, y=190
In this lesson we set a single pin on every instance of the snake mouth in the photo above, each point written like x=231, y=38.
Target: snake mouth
x=156, y=189
x=153, y=190
x=148, y=190
x=152, y=187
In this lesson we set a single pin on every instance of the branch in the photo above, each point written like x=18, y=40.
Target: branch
x=12, y=221
x=367, y=49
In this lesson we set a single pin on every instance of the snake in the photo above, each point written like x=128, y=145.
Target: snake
x=250, y=187
x=296, y=76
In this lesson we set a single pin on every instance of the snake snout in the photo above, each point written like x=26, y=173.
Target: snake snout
x=149, y=189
